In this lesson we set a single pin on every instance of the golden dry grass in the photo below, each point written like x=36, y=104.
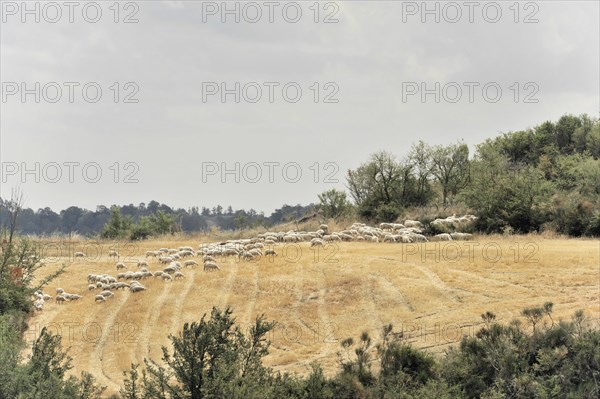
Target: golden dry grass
x=434, y=293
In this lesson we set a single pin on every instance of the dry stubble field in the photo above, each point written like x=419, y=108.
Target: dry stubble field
x=433, y=292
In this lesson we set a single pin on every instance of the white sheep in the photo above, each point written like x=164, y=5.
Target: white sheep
x=137, y=287
x=208, y=258
x=317, y=242
x=461, y=236
x=79, y=255
x=91, y=287
x=190, y=263
x=142, y=264
x=167, y=277
x=106, y=293
x=60, y=299
x=38, y=304
x=211, y=266
x=178, y=275
x=100, y=298
x=121, y=285
x=412, y=223
x=271, y=252
x=113, y=254
x=442, y=237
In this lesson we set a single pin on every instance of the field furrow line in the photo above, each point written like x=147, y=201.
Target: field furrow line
x=247, y=319
x=97, y=365
x=435, y=280
x=227, y=287
x=143, y=346
x=176, y=322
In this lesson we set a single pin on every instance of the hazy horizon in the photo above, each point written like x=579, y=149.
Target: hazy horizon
x=175, y=60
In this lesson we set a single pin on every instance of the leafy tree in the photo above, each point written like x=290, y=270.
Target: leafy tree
x=118, y=226
x=334, y=203
x=382, y=187
x=450, y=167
x=420, y=158
x=506, y=195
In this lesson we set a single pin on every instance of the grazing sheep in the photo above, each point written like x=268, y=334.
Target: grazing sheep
x=229, y=252
x=158, y=273
x=442, y=237
x=405, y=238
x=186, y=253
x=59, y=291
x=137, y=288
x=106, y=293
x=461, y=236
x=211, y=266
x=138, y=275
x=113, y=254
x=178, y=275
x=79, y=255
x=152, y=254
x=142, y=264
x=91, y=287
x=100, y=298
x=317, y=242
x=271, y=252
x=412, y=223
x=121, y=266
x=166, y=259
x=190, y=263
x=121, y=285
x=38, y=304
x=419, y=237
x=60, y=299
x=167, y=277
x=120, y=275
x=246, y=256
x=208, y=258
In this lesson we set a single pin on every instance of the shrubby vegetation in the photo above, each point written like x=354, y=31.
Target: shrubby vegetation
x=43, y=374
x=547, y=177
x=542, y=359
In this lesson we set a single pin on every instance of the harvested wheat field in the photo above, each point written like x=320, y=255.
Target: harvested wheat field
x=433, y=292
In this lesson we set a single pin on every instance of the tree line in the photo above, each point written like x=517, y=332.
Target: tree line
x=142, y=219
x=543, y=178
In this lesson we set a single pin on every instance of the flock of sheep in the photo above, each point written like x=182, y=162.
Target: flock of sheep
x=250, y=249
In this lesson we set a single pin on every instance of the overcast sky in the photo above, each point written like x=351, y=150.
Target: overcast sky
x=367, y=66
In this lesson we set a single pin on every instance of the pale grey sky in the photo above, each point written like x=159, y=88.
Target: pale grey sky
x=370, y=58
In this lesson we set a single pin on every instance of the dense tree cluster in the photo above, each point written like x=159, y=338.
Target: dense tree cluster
x=544, y=177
